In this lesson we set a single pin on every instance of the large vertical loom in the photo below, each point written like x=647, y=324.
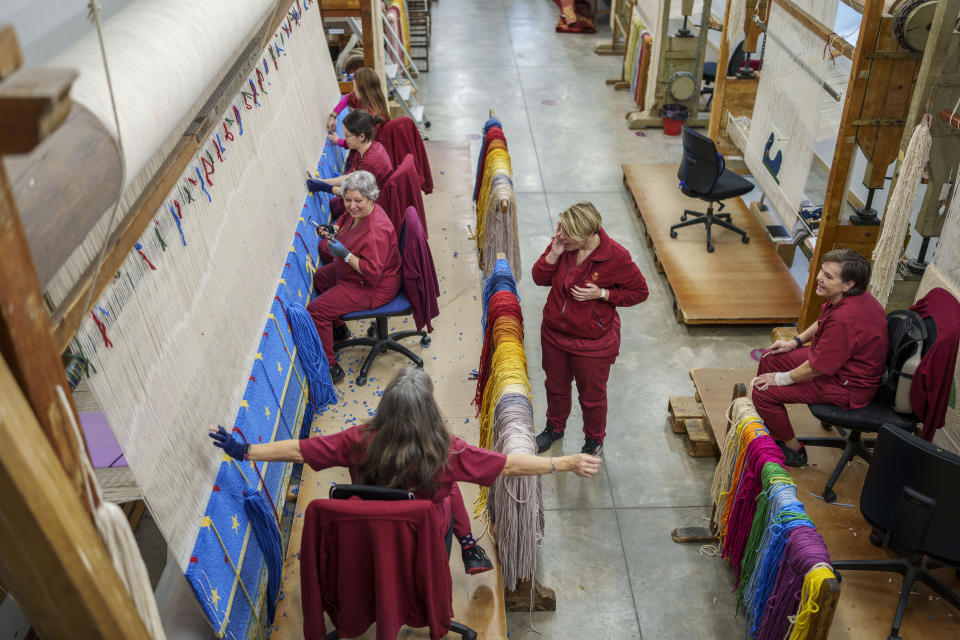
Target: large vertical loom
x=178, y=296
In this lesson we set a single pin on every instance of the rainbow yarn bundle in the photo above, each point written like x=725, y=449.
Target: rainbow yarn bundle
x=779, y=560
x=515, y=504
x=496, y=204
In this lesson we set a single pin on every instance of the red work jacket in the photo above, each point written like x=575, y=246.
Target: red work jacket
x=374, y=242
x=376, y=160
x=588, y=327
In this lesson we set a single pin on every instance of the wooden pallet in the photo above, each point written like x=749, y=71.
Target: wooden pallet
x=737, y=284
x=683, y=408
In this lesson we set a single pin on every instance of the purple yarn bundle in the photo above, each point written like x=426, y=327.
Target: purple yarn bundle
x=760, y=451
x=804, y=549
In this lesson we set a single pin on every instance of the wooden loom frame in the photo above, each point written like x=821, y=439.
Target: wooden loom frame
x=874, y=53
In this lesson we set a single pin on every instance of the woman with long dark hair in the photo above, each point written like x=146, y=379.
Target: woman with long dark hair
x=407, y=446
x=366, y=154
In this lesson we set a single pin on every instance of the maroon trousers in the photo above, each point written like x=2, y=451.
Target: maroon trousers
x=820, y=390
x=461, y=519
x=562, y=368
x=337, y=299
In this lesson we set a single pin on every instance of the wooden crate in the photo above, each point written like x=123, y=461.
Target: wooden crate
x=681, y=409
x=697, y=440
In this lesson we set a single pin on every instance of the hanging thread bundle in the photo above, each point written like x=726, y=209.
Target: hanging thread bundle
x=496, y=204
x=779, y=560
x=896, y=217
x=636, y=61
x=506, y=425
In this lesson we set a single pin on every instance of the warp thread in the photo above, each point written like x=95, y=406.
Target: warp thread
x=896, y=217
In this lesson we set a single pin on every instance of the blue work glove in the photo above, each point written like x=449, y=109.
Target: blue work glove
x=336, y=248
x=230, y=443
x=319, y=185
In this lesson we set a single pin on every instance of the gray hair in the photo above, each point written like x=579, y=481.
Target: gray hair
x=362, y=181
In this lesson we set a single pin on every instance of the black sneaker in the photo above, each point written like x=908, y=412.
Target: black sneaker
x=341, y=332
x=336, y=373
x=592, y=446
x=475, y=560
x=793, y=458
x=547, y=437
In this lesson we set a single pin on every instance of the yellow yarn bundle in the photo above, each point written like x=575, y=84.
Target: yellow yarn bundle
x=404, y=22
x=812, y=583
x=497, y=162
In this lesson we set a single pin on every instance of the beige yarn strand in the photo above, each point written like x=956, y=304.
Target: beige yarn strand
x=886, y=255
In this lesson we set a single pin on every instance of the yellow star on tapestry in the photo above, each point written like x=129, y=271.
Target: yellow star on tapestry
x=266, y=410
x=259, y=356
x=214, y=598
x=234, y=524
x=301, y=219
x=282, y=281
x=244, y=404
x=206, y=521
x=299, y=293
x=279, y=367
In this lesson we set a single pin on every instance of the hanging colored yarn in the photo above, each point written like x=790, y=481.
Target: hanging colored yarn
x=500, y=280
x=502, y=303
x=809, y=595
x=264, y=525
x=491, y=129
x=311, y=353
x=765, y=532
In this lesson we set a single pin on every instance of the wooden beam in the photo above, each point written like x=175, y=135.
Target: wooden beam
x=827, y=600
x=833, y=204
x=72, y=311
x=53, y=559
x=717, y=112
x=11, y=58
x=25, y=337
x=839, y=45
x=33, y=102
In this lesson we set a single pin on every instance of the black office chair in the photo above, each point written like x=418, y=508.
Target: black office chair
x=910, y=499
x=852, y=423
x=370, y=492
x=737, y=59
x=378, y=336
x=703, y=175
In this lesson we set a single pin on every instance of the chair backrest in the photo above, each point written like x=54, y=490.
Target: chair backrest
x=910, y=339
x=701, y=165
x=368, y=492
x=401, y=190
x=737, y=58
x=400, y=136
x=910, y=494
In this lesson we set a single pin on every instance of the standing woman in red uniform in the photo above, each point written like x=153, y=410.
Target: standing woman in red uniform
x=366, y=154
x=406, y=446
x=589, y=276
x=365, y=271
x=843, y=363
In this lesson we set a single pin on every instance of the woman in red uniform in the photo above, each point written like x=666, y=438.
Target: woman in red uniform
x=365, y=271
x=589, y=276
x=844, y=362
x=367, y=94
x=406, y=446
x=365, y=153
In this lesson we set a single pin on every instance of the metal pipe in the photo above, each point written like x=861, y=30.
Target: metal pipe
x=800, y=63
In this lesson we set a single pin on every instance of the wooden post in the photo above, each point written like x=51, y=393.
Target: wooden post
x=720, y=80
x=834, y=199
x=53, y=560
x=826, y=606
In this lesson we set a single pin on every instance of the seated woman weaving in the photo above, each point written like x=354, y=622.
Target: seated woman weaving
x=367, y=94
x=365, y=271
x=844, y=362
x=407, y=446
x=365, y=154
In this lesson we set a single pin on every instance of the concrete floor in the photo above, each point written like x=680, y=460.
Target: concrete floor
x=607, y=551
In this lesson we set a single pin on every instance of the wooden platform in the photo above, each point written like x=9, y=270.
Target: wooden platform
x=867, y=600
x=454, y=352
x=738, y=283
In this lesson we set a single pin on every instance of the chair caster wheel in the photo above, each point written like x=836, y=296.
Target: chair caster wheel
x=683, y=218
x=361, y=381
x=673, y=234
x=745, y=239
x=875, y=539
x=709, y=248
x=829, y=495
x=426, y=124
x=425, y=341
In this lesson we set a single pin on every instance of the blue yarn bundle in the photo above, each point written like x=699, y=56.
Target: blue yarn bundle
x=311, y=355
x=786, y=513
x=492, y=122
x=265, y=529
x=500, y=280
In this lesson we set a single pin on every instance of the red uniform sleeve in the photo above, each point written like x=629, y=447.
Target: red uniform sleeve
x=543, y=271
x=375, y=249
x=467, y=463
x=630, y=287
x=832, y=345
x=337, y=450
